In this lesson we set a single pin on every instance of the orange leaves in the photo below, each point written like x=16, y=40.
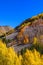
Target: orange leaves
x=26, y=40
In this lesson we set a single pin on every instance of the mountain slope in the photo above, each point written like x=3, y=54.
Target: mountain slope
x=5, y=29
x=28, y=30
x=24, y=35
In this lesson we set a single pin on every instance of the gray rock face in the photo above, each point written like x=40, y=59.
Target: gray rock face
x=35, y=30
x=29, y=32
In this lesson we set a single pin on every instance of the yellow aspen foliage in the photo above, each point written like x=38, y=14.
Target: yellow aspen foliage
x=32, y=58
x=40, y=14
x=8, y=56
x=21, y=59
x=42, y=59
x=28, y=23
x=35, y=40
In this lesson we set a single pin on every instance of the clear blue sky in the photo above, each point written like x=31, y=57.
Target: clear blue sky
x=13, y=12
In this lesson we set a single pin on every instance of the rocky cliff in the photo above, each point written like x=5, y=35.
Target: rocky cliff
x=28, y=30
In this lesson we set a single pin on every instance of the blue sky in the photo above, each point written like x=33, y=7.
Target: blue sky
x=13, y=12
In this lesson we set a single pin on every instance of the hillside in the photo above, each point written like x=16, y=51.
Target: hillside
x=5, y=29
x=30, y=28
x=24, y=35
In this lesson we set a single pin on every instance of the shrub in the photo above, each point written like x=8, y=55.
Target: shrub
x=9, y=57
x=32, y=58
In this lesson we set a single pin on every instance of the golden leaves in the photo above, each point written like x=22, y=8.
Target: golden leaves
x=9, y=57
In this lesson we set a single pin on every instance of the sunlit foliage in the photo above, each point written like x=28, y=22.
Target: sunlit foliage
x=32, y=58
x=35, y=40
x=9, y=57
